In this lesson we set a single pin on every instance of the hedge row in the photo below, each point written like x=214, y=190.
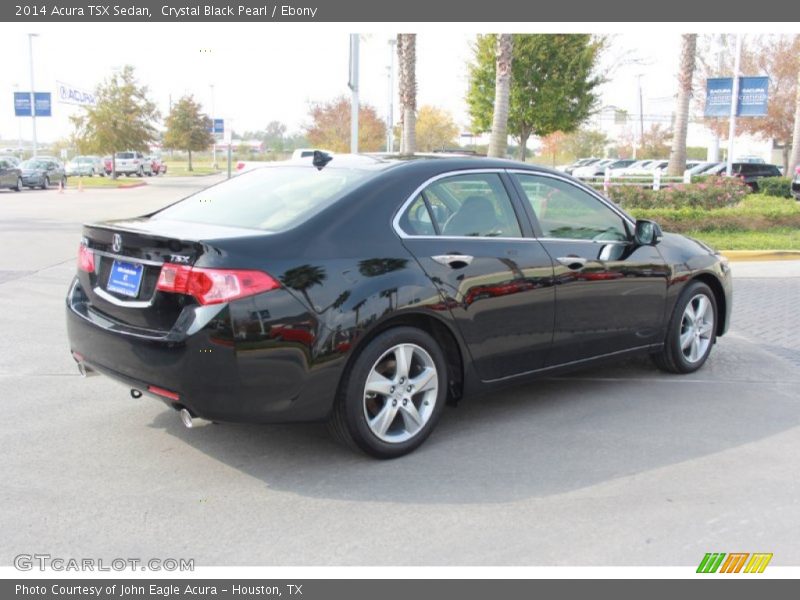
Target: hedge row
x=714, y=192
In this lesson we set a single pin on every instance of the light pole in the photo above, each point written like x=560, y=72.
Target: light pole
x=33, y=105
x=19, y=129
x=734, y=103
x=353, y=85
x=214, y=145
x=390, y=111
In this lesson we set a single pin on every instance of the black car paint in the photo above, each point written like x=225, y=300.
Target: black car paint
x=279, y=356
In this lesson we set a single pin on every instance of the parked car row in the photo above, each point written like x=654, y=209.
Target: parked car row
x=796, y=183
x=134, y=163
x=40, y=172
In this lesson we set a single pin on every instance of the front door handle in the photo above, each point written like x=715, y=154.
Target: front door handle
x=575, y=263
x=456, y=261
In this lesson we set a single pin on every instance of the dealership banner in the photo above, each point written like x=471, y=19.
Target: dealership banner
x=70, y=94
x=471, y=11
x=753, y=97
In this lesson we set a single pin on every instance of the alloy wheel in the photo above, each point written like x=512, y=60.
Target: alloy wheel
x=400, y=393
x=697, y=328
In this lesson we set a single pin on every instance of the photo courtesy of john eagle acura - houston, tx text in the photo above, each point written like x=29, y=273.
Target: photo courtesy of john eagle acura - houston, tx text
x=370, y=291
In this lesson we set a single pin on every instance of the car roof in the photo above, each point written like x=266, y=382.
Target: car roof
x=422, y=162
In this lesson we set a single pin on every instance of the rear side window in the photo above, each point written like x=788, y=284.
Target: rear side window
x=270, y=198
x=463, y=206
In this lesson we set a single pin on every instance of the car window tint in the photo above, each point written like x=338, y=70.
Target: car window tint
x=472, y=206
x=567, y=212
x=269, y=198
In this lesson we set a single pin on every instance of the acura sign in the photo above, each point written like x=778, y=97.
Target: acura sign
x=69, y=94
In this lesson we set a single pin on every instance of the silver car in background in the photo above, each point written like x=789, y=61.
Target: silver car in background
x=88, y=166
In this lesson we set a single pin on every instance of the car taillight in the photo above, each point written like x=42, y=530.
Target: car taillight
x=85, y=259
x=797, y=170
x=213, y=286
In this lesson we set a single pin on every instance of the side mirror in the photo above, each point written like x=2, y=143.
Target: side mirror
x=647, y=233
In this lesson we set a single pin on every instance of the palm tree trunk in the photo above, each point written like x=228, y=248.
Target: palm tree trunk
x=677, y=158
x=794, y=161
x=502, y=89
x=190, y=161
x=407, y=59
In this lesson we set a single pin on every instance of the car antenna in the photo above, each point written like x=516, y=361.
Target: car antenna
x=321, y=159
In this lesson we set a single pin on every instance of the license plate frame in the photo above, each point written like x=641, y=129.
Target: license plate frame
x=125, y=278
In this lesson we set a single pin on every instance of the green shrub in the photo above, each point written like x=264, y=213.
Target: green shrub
x=780, y=187
x=714, y=192
x=756, y=213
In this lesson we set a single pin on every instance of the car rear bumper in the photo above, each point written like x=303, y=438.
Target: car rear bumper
x=213, y=376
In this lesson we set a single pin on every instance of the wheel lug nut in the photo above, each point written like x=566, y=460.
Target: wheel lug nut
x=409, y=388
x=394, y=402
x=391, y=390
x=405, y=402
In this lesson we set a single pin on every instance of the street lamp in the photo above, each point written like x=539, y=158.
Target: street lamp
x=33, y=105
x=390, y=112
x=214, y=132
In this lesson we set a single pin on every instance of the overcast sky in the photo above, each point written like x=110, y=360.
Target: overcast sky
x=265, y=72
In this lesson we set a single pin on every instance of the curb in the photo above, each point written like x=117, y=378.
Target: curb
x=760, y=255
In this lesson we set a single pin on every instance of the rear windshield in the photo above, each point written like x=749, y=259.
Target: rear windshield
x=270, y=198
x=125, y=155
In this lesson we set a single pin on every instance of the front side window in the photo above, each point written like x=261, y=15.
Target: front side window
x=472, y=205
x=567, y=212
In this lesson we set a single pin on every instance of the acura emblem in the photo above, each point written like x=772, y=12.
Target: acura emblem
x=116, y=242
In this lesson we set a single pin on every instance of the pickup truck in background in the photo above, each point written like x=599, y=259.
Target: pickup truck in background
x=132, y=163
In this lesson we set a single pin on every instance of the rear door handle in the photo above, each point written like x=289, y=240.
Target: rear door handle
x=575, y=263
x=456, y=261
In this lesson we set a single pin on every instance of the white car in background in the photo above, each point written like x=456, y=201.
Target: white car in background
x=647, y=169
x=592, y=169
x=85, y=165
x=132, y=163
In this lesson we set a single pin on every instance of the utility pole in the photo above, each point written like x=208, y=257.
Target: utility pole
x=641, y=110
x=213, y=129
x=19, y=129
x=713, y=151
x=33, y=104
x=734, y=102
x=353, y=85
x=390, y=112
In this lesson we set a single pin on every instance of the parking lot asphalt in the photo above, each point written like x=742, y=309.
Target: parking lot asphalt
x=619, y=465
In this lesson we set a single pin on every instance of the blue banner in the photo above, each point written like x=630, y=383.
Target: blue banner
x=753, y=96
x=718, y=97
x=41, y=103
x=219, y=126
x=22, y=104
x=752, y=102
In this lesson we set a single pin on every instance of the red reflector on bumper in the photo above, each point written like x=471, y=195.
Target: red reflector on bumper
x=153, y=389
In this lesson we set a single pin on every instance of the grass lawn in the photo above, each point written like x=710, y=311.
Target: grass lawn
x=180, y=168
x=778, y=238
x=759, y=222
x=104, y=182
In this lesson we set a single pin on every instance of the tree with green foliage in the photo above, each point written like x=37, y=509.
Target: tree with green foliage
x=122, y=118
x=585, y=143
x=553, y=83
x=188, y=128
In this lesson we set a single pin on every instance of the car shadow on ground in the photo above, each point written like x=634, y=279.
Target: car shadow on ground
x=548, y=437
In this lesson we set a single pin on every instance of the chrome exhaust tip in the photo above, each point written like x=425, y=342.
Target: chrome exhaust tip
x=186, y=418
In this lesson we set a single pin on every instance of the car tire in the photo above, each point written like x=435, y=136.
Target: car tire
x=405, y=402
x=45, y=182
x=140, y=173
x=18, y=187
x=692, y=331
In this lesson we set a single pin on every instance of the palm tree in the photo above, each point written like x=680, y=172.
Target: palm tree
x=677, y=158
x=794, y=162
x=407, y=60
x=304, y=277
x=502, y=90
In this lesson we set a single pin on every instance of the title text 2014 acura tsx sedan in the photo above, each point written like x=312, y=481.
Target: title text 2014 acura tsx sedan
x=368, y=292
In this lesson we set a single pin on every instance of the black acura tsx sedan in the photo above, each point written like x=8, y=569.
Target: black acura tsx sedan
x=370, y=291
